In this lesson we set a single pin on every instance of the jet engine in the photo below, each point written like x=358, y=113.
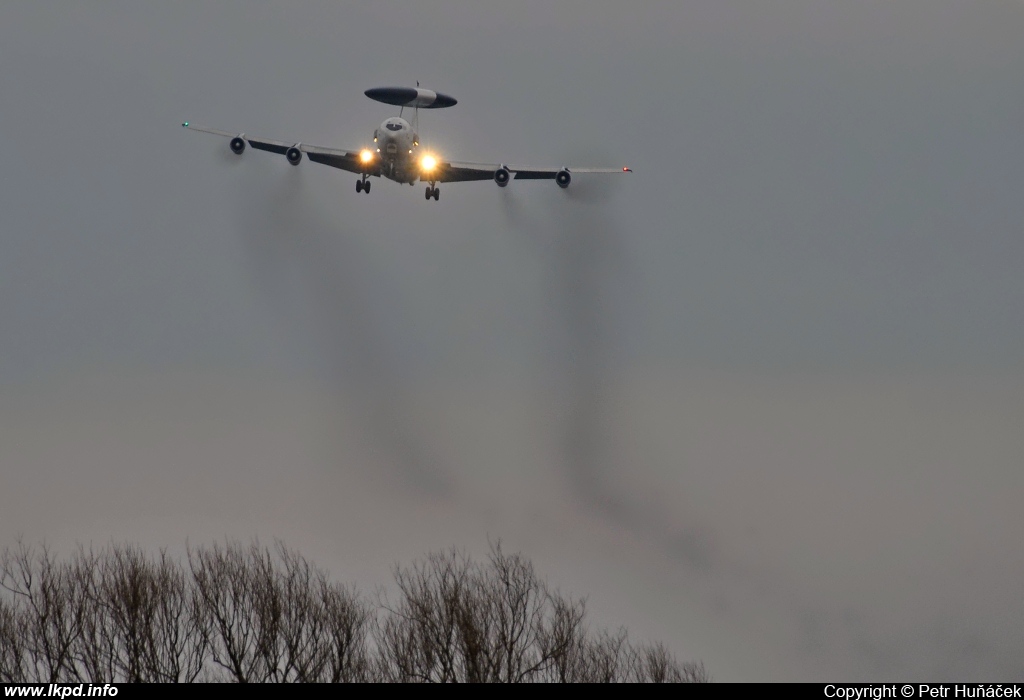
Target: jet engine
x=238, y=145
x=502, y=175
x=563, y=178
x=294, y=155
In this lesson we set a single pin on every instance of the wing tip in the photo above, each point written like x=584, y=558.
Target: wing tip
x=626, y=170
x=185, y=124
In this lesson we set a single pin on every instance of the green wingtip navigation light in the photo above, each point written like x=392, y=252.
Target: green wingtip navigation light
x=184, y=123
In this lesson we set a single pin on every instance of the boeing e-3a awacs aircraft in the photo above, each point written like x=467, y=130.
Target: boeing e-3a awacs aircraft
x=396, y=152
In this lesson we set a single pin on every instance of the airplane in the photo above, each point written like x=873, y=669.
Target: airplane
x=396, y=152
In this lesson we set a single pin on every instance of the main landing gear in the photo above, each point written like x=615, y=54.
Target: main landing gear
x=432, y=192
x=363, y=185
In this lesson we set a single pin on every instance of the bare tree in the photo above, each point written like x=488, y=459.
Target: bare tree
x=417, y=637
x=240, y=608
x=253, y=614
x=323, y=625
x=52, y=604
x=144, y=625
x=270, y=618
x=12, y=644
x=654, y=663
x=564, y=641
x=456, y=620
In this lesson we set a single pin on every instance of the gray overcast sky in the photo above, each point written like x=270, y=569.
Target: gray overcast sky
x=761, y=399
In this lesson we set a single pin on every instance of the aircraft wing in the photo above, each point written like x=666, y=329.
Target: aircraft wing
x=215, y=132
x=339, y=158
x=449, y=171
x=462, y=172
x=334, y=157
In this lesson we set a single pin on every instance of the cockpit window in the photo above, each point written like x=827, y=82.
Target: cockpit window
x=393, y=127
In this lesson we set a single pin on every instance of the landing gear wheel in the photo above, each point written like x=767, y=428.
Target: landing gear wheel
x=428, y=193
x=366, y=187
x=359, y=185
x=437, y=194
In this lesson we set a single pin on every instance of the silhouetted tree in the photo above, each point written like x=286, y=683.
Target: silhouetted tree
x=49, y=607
x=254, y=614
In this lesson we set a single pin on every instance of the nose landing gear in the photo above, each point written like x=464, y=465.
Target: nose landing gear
x=432, y=192
x=363, y=185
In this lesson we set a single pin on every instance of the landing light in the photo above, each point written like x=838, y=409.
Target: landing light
x=366, y=156
x=428, y=163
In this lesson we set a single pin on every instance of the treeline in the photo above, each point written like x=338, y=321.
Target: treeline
x=255, y=614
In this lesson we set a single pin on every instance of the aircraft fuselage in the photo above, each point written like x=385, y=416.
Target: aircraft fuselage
x=397, y=144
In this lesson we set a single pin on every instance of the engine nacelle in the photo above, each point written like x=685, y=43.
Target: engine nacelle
x=502, y=175
x=563, y=178
x=294, y=155
x=238, y=144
